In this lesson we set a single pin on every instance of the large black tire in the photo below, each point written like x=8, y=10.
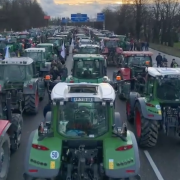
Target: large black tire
x=32, y=103
x=146, y=130
x=16, y=128
x=129, y=115
x=4, y=157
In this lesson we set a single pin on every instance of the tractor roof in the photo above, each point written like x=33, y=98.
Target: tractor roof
x=45, y=44
x=111, y=39
x=35, y=50
x=55, y=38
x=88, y=56
x=154, y=71
x=64, y=91
x=16, y=60
x=89, y=45
x=138, y=53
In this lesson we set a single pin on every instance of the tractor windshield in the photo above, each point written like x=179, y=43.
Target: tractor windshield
x=168, y=89
x=88, y=50
x=36, y=56
x=138, y=60
x=112, y=43
x=88, y=69
x=13, y=73
x=82, y=119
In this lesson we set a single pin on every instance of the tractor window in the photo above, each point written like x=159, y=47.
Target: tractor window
x=168, y=89
x=36, y=56
x=88, y=50
x=14, y=72
x=86, y=69
x=138, y=61
x=111, y=43
x=29, y=71
x=85, y=119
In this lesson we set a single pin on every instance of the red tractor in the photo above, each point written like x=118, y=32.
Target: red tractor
x=133, y=65
x=112, y=51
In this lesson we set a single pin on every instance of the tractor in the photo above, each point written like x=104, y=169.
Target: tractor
x=19, y=76
x=112, y=51
x=154, y=105
x=49, y=49
x=133, y=65
x=88, y=68
x=11, y=125
x=82, y=137
x=38, y=55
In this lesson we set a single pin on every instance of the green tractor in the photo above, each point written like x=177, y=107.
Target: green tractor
x=132, y=66
x=39, y=57
x=82, y=137
x=19, y=76
x=49, y=50
x=11, y=125
x=88, y=68
x=154, y=105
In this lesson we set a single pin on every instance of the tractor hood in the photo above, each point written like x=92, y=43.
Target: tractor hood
x=126, y=73
x=76, y=80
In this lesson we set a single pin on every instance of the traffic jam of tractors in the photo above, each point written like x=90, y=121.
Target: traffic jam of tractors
x=81, y=135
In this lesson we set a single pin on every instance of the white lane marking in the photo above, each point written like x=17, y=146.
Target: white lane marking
x=153, y=165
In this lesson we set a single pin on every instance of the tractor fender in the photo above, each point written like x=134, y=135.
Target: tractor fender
x=117, y=119
x=4, y=126
x=132, y=100
x=28, y=90
x=41, y=172
x=145, y=112
x=126, y=73
x=121, y=172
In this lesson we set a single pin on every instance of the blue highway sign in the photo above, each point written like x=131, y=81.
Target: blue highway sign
x=100, y=17
x=79, y=17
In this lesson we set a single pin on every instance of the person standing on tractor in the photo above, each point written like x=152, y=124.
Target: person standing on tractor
x=159, y=60
x=174, y=64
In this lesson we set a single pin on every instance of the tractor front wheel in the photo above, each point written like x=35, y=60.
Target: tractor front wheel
x=4, y=157
x=32, y=103
x=146, y=130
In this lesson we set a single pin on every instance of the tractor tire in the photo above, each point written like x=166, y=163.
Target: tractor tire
x=32, y=103
x=146, y=131
x=16, y=127
x=128, y=112
x=4, y=157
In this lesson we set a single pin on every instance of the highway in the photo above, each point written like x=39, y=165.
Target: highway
x=158, y=163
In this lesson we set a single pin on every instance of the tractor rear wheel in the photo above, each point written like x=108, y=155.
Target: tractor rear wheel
x=4, y=157
x=146, y=131
x=16, y=127
x=32, y=103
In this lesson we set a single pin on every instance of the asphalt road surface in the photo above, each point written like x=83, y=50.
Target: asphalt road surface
x=158, y=163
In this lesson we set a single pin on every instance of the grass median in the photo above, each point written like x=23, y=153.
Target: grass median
x=173, y=51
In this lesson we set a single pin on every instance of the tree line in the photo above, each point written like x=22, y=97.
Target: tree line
x=157, y=21
x=19, y=15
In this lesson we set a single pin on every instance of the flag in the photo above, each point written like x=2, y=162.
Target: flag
x=63, y=51
x=7, y=55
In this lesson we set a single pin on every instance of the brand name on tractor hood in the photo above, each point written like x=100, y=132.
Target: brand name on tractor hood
x=82, y=99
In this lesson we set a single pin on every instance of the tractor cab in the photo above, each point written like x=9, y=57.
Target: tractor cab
x=88, y=68
x=82, y=126
x=39, y=57
x=49, y=50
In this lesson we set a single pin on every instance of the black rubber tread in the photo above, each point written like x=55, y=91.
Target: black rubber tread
x=30, y=107
x=130, y=118
x=149, y=130
x=7, y=152
x=17, y=120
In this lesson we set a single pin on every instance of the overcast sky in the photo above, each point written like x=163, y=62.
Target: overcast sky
x=64, y=8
